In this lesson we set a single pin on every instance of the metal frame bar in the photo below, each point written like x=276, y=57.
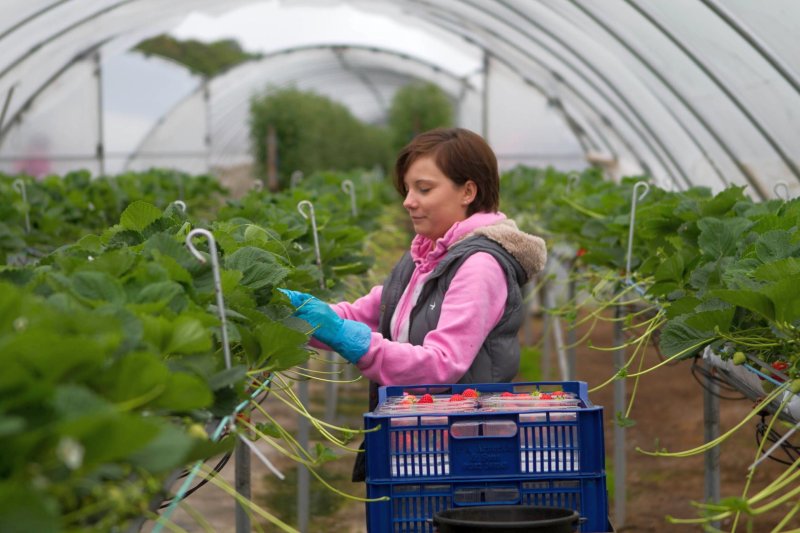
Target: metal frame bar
x=599, y=73
x=655, y=72
x=722, y=87
x=753, y=40
x=583, y=98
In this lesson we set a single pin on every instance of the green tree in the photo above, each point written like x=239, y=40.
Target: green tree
x=204, y=59
x=313, y=134
x=416, y=108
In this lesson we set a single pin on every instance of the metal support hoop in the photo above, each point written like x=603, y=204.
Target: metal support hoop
x=212, y=247
x=19, y=186
x=312, y=217
x=634, y=200
x=349, y=188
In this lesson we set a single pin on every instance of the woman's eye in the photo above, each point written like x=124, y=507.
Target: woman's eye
x=424, y=190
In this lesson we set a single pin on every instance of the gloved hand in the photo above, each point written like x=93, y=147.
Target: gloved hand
x=347, y=337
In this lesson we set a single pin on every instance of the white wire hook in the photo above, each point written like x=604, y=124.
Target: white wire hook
x=349, y=188
x=212, y=248
x=311, y=216
x=295, y=179
x=180, y=204
x=636, y=198
x=572, y=180
x=19, y=186
x=782, y=185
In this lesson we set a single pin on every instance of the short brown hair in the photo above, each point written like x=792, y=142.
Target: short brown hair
x=460, y=154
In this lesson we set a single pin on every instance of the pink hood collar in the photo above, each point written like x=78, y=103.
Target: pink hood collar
x=427, y=253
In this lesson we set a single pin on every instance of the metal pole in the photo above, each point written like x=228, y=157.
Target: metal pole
x=207, y=109
x=710, y=432
x=620, y=466
x=303, y=479
x=547, y=324
x=98, y=74
x=485, y=100
x=572, y=336
x=242, y=484
x=6, y=104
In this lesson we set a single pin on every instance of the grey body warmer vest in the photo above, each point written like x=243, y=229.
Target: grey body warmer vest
x=498, y=358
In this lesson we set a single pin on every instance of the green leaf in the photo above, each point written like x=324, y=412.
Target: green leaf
x=270, y=429
x=189, y=336
x=623, y=421
x=98, y=287
x=754, y=301
x=281, y=347
x=323, y=454
x=229, y=376
x=115, y=263
x=135, y=376
x=138, y=215
x=719, y=237
x=74, y=401
x=91, y=243
x=111, y=437
x=11, y=425
x=785, y=298
x=678, y=338
x=184, y=392
x=711, y=321
x=671, y=269
x=778, y=270
x=167, y=450
x=161, y=293
x=24, y=510
x=260, y=268
x=774, y=245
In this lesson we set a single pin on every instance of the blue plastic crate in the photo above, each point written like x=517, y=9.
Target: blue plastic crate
x=504, y=443
x=411, y=506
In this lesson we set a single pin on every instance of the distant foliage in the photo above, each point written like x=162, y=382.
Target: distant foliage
x=416, y=108
x=204, y=59
x=314, y=134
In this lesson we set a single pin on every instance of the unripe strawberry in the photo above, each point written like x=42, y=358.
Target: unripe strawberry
x=739, y=358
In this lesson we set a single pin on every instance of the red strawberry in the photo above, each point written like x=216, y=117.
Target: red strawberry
x=780, y=366
x=470, y=393
x=581, y=252
x=507, y=395
x=546, y=396
x=456, y=398
x=426, y=398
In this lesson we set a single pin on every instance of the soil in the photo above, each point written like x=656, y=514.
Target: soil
x=668, y=413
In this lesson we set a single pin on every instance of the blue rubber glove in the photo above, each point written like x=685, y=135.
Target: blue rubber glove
x=349, y=338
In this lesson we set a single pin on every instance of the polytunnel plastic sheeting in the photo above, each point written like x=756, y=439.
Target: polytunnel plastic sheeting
x=531, y=132
x=688, y=56
x=62, y=133
x=364, y=80
x=703, y=151
x=693, y=91
x=178, y=143
x=36, y=47
x=137, y=92
x=498, y=32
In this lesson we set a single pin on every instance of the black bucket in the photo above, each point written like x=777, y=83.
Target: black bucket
x=506, y=518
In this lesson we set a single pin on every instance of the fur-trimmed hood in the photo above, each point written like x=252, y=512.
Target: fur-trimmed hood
x=529, y=250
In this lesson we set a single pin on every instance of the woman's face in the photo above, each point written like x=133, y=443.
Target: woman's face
x=433, y=200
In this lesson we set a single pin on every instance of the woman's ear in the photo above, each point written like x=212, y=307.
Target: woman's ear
x=470, y=192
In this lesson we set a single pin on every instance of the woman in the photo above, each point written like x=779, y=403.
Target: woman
x=451, y=308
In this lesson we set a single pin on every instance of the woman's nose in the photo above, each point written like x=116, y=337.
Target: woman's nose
x=409, y=202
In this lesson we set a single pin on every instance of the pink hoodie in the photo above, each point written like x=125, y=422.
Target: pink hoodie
x=472, y=307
